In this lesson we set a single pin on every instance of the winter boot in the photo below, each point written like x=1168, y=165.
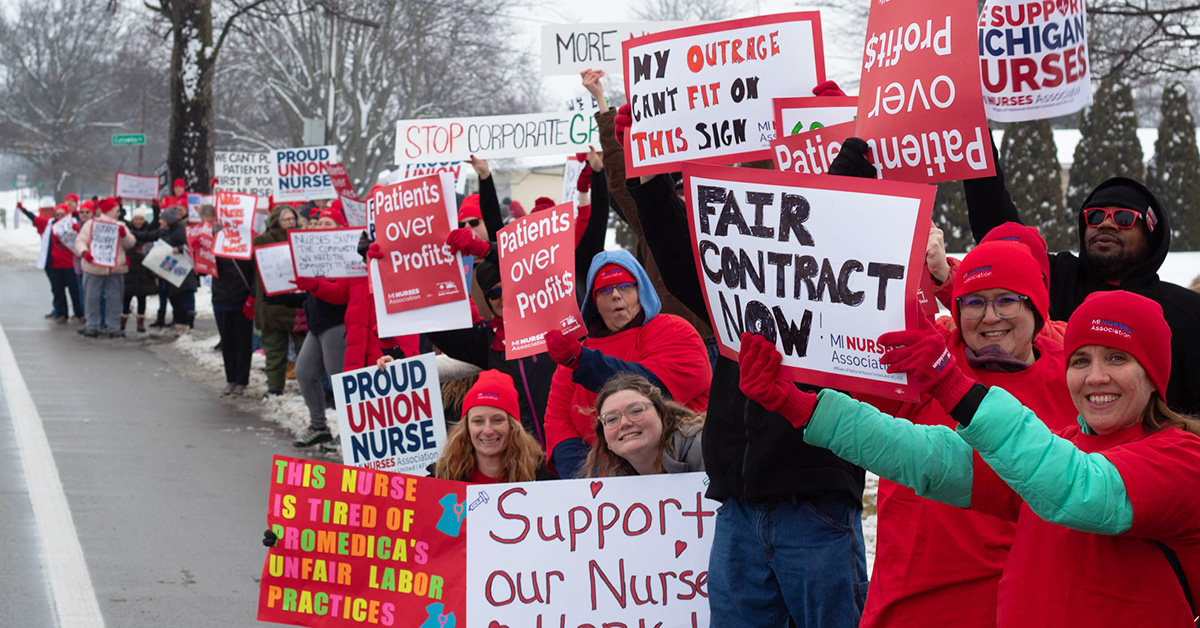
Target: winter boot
x=313, y=436
x=161, y=321
x=124, y=319
x=141, y=321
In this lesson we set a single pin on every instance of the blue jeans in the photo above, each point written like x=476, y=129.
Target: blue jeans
x=804, y=560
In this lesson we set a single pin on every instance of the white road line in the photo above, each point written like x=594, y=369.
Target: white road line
x=70, y=585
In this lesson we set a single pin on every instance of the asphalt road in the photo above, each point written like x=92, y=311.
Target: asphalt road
x=165, y=483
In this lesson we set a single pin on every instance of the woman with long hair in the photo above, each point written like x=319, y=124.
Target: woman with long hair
x=641, y=432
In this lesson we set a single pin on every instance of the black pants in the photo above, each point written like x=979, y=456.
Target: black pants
x=237, y=338
x=141, y=301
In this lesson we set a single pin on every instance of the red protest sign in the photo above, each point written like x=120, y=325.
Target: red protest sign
x=360, y=547
x=920, y=102
x=200, y=243
x=235, y=214
x=810, y=152
x=412, y=222
x=341, y=183
x=537, y=266
x=797, y=115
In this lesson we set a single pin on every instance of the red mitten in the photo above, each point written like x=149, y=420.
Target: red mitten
x=585, y=179
x=87, y=257
x=476, y=317
x=121, y=231
x=563, y=350
x=463, y=241
x=306, y=284
x=623, y=121
x=759, y=379
x=373, y=251
x=922, y=354
x=248, y=308
x=828, y=88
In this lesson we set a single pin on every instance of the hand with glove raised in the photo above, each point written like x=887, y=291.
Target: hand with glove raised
x=248, y=308
x=374, y=252
x=565, y=351
x=305, y=284
x=922, y=354
x=828, y=88
x=463, y=241
x=121, y=231
x=623, y=121
x=584, y=182
x=852, y=160
x=760, y=380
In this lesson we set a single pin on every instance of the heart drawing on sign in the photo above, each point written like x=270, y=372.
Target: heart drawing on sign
x=1064, y=6
x=596, y=486
x=496, y=624
x=679, y=547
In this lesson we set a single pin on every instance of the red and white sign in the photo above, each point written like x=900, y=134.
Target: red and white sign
x=200, y=243
x=537, y=267
x=327, y=253
x=810, y=152
x=704, y=93
x=819, y=265
x=920, y=104
x=412, y=222
x=1034, y=58
x=275, y=270
x=132, y=186
x=494, y=137
x=235, y=214
x=797, y=115
x=104, y=242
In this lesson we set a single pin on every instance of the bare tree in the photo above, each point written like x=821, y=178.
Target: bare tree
x=685, y=10
x=1139, y=38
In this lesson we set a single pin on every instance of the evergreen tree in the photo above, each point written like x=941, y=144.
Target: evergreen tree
x=1030, y=160
x=1108, y=147
x=950, y=215
x=1174, y=174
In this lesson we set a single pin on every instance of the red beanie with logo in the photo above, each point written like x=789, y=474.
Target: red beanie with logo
x=1006, y=265
x=543, y=203
x=1127, y=322
x=470, y=208
x=336, y=214
x=1030, y=237
x=611, y=275
x=494, y=389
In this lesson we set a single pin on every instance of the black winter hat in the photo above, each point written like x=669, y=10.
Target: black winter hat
x=1127, y=193
x=487, y=275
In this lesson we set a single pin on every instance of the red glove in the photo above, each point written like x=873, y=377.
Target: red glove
x=373, y=251
x=585, y=179
x=87, y=257
x=828, y=88
x=463, y=241
x=922, y=354
x=121, y=231
x=759, y=379
x=476, y=317
x=563, y=350
x=623, y=121
x=306, y=284
x=248, y=309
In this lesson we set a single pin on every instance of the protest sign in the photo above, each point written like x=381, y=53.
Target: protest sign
x=65, y=231
x=195, y=202
x=573, y=48
x=104, y=242
x=391, y=418
x=363, y=548
x=412, y=222
x=704, y=93
x=162, y=260
x=43, y=257
x=302, y=174
x=810, y=152
x=131, y=186
x=275, y=270
x=537, y=266
x=819, y=265
x=249, y=173
x=412, y=171
x=495, y=137
x=1034, y=59
x=200, y=243
x=570, y=191
x=453, y=315
x=235, y=213
x=920, y=102
x=328, y=253
x=621, y=551
x=797, y=115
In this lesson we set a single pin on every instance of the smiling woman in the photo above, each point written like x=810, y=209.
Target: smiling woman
x=641, y=432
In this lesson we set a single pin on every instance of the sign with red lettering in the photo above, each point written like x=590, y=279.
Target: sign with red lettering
x=132, y=186
x=495, y=137
x=537, y=266
x=819, y=265
x=1034, y=59
x=412, y=222
x=200, y=243
x=620, y=551
x=797, y=115
x=811, y=152
x=353, y=207
x=235, y=215
x=302, y=174
x=920, y=102
x=410, y=171
x=359, y=547
x=704, y=93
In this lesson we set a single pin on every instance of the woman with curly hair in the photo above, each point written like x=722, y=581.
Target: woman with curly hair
x=641, y=432
x=489, y=445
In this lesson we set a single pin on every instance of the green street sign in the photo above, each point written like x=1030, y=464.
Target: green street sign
x=129, y=140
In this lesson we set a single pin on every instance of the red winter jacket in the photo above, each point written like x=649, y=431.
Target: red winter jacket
x=363, y=345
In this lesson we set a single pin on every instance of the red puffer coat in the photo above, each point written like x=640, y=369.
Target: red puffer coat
x=364, y=347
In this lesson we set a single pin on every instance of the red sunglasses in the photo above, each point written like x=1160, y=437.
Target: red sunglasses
x=1122, y=218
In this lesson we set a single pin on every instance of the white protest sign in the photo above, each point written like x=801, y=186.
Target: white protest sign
x=621, y=551
x=104, y=242
x=494, y=137
x=162, y=260
x=274, y=262
x=355, y=212
x=135, y=187
x=1034, y=59
x=453, y=315
x=705, y=92
x=570, y=190
x=246, y=172
x=328, y=253
x=797, y=115
x=235, y=215
x=391, y=419
x=819, y=265
x=573, y=48
x=302, y=174
x=65, y=231
x=43, y=258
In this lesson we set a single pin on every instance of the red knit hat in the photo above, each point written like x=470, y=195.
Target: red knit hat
x=1030, y=237
x=516, y=210
x=611, y=275
x=470, y=208
x=543, y=202
x=106, y=205
x=495, y=389
x=1128, y=322
x=179, y=183
x=85, y=205
x=336, y=214
x=72, y=197
x=1002, y=264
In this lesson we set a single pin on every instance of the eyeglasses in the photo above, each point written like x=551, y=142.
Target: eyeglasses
x=634, y=412
x=494, y=293
x=470, y=222
x=1005, y=305
x=1122, y=218
x=623, y=288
